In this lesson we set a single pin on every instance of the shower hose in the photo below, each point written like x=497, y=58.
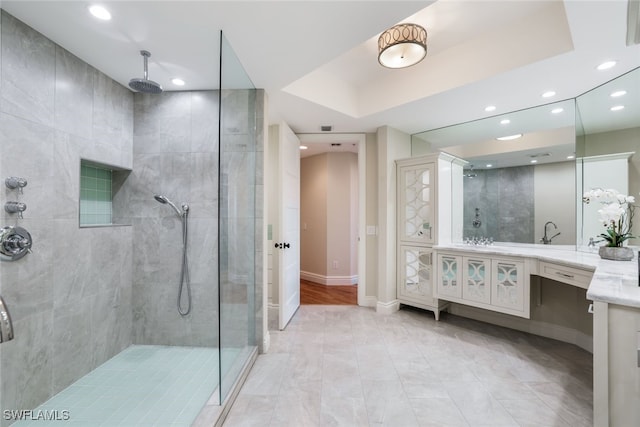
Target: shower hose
x=184, y=273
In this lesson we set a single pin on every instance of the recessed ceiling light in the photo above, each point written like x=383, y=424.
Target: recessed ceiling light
x=177, y=81
x=505, y=121
x=533, y=161
x=489, y=165
x=303, y=147
x=557, y=110
x=100, y=12
x=548, y=94
x=606, y=65
x=571, y=157
x=489, y=108
x=509, y=137
x=617, y=107
x=618, y=93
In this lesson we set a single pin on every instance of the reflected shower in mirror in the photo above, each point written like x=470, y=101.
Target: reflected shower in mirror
x=521, y=172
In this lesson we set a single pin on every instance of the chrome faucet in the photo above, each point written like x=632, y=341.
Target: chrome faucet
x=546, y=240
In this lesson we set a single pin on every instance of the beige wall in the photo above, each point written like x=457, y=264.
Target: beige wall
x=371, y=244
x=313, y=214
x=621, y=141
x=329, y=216
x=392, y=145
x=555, y=202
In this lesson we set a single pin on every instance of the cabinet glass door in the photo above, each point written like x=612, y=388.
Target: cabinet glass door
x=507, y=284
x=416, y=277
x=416, y=186
x=476, y=274
x=449, y=276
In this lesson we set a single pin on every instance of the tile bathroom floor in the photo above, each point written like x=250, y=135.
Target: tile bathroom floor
x=349, y=366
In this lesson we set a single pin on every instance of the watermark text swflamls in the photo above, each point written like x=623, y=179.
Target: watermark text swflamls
x=36, y=415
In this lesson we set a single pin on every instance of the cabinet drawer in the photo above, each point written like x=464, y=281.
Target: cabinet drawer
x=569, y=275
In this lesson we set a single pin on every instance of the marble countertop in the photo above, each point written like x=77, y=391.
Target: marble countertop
x=614, y=282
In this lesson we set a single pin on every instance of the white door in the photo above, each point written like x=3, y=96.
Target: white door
x=288, y=240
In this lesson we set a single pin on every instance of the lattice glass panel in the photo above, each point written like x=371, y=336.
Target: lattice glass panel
x=476, y=278
x=418, y=209
x=417, y=266
x=507, y=284
x=448, y=281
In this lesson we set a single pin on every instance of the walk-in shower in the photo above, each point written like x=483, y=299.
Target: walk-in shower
x=97, y=337
x=185, y=282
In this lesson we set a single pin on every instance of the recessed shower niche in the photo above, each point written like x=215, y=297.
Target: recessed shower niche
x=99, y=186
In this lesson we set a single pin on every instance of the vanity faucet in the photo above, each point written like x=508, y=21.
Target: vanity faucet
x=546, y=240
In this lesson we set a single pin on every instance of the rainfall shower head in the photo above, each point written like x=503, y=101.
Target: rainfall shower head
x=165, y=201
x=145, y=85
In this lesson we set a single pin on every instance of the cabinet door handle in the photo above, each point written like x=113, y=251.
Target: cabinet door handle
x=568, y=276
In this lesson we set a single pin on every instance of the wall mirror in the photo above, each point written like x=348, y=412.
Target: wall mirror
x=521, y=173
x=528, y=169
x=608, y=148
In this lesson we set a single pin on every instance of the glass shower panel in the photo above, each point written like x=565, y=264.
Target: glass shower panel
x=237, y=201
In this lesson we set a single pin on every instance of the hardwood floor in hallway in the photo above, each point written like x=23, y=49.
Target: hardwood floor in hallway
x=315, y=293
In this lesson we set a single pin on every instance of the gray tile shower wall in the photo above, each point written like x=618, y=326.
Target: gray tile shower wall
x=175, y=154
x=71, y=298
x=505, y=199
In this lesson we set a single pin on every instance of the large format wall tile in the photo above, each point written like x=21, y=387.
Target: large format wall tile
x=71, y=298
x=74, y=94
x=28, y=72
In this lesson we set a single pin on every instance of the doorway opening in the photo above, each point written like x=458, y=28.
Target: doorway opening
x=331, y=218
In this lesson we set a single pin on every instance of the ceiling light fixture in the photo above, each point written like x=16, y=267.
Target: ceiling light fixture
x=505, y=121
x=509, y=137
x=402, y=46
x=489, y=165
x=100, y=12
x=490, y=108
x=177, y=81
x=617, y=107
x=618, y=93
x=303, y=147
x=571, y=157
x=533, y=161
x=548, y=94
x=606, y=65
x=557, y=110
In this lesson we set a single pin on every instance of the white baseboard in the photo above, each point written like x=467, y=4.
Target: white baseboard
x=368, y=302
x=329, y=280
x=535, y=327
x=266, y=342
x=387, y=307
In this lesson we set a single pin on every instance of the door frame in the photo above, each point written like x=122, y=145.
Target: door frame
x=360, y=140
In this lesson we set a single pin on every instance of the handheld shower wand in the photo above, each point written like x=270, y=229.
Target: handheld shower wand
x=184, y=274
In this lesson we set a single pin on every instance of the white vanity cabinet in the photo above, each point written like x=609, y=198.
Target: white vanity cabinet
x=427, y=188
x=490, y=282
x=449, y=276
x=415, y=282
x=476, y=279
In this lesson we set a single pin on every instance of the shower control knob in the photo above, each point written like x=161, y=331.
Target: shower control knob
x=15, y=242
x=15, y=207
x=14, y=182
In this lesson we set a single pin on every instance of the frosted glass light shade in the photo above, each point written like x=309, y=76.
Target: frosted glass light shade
x=402, y=45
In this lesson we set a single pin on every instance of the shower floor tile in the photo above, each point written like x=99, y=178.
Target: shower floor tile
x=144, y=385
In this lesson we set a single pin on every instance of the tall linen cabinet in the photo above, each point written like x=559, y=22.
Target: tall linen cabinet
x=429, y=212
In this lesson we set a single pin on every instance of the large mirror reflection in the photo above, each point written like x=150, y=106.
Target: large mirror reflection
x=528, y=169
x=519, y=184
x=608, y=148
